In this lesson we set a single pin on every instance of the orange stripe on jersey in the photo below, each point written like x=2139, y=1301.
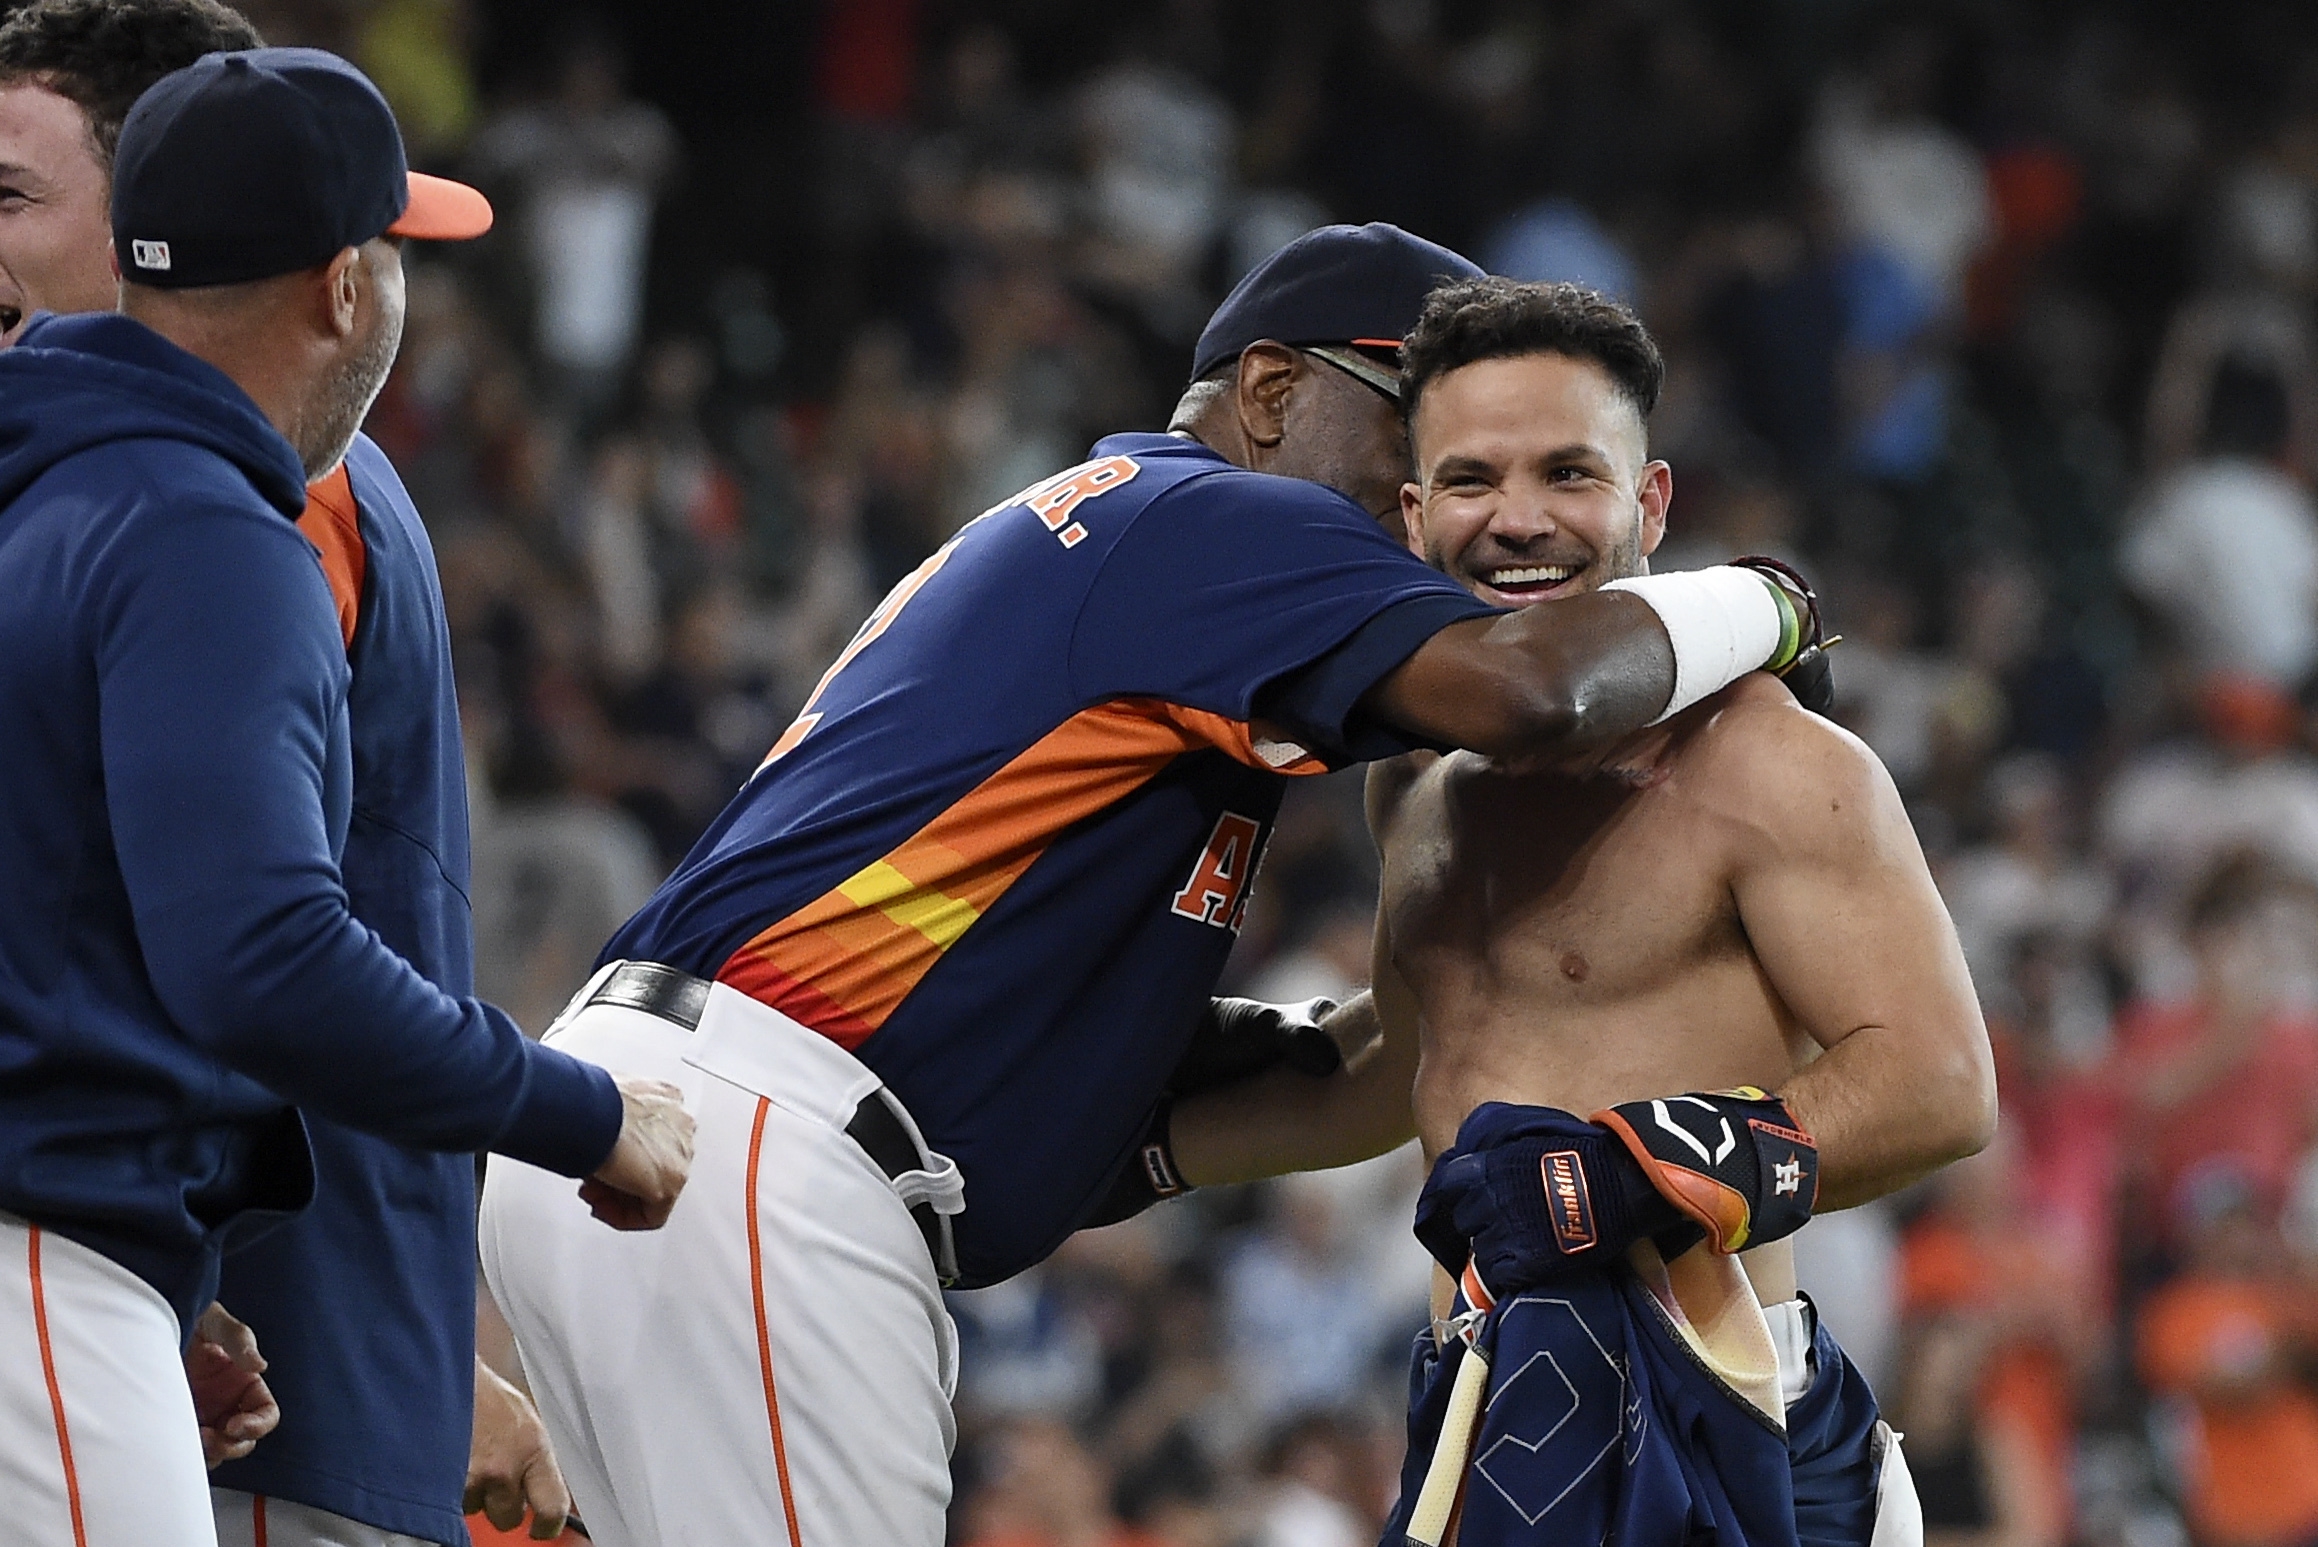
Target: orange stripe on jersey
x=847, y=960
x=334, y=526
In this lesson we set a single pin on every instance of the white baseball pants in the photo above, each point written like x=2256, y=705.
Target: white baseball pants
x=253, y=1520
x=775, y=1365
x=98, y=1442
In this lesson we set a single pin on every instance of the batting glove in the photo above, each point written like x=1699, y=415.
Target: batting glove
x=1801, y=661
x=1237, y=1039
x=1528, y=1194
x=1735, y=1162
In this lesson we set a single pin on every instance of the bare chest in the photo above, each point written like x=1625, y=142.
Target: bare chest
x=1561, y=891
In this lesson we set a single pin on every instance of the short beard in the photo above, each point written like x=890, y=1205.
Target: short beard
x=344, y=401
x=1625, y=559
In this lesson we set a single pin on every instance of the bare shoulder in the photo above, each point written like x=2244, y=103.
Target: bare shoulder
x=1788, y=775
x=1389, y=782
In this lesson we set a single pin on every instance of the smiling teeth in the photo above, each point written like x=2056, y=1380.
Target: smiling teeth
x=1546, y=574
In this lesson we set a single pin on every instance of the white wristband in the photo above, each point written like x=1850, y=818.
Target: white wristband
x=1723, y=623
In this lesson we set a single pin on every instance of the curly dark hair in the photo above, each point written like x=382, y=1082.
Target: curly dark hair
x=1500, y=319
x=101, y=55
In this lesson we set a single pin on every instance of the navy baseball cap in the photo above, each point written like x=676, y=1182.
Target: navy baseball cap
x=1339, y=285
x=242, y=166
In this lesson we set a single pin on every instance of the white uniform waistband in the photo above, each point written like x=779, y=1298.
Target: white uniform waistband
x=748, y=1043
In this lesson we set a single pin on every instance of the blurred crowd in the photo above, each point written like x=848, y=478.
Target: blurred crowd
x=1996, y=318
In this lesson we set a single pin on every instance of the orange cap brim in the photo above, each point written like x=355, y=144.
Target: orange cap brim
x=442, y=211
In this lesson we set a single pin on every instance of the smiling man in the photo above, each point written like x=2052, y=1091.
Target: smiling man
x=930, y=974
x=1734, y=906
x=59, y=123
x=55, y=243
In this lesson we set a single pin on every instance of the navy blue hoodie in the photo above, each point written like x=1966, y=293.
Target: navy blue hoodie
x=177, y=956
x=365, y=1303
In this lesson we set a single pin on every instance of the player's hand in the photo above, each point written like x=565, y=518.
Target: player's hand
x=1802, y=661
x=1528, y=1194
x=636, y=1188
x=1237, y=1039
x=510, y=1465
x=230, y=1398
x=1735, y=1162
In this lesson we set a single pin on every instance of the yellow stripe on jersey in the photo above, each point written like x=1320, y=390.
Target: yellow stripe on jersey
x=935, y=914
x=846, y=960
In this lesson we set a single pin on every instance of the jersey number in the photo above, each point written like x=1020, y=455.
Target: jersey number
x=1052, y=500
x=1217, y=892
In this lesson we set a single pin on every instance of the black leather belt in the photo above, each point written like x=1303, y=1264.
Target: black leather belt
x=681, y=998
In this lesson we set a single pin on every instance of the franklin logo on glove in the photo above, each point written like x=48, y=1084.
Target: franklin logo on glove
x=1565, y=1193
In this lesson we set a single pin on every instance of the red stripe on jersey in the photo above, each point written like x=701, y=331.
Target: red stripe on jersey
x=758, y=978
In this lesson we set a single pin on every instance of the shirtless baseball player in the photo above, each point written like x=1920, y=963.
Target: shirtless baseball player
x=1735, y=901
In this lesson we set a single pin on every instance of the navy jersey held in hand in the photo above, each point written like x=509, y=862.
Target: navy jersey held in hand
x=1609, y=1415
x=1002, y=854
x=1602, y=1424
x=365, y=1303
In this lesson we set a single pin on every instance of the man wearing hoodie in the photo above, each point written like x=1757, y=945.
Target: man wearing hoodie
x=176, y=945
x=394, y=1308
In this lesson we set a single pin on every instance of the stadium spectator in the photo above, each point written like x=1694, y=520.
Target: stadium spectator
x=2228, y=1077
x=2227, y=549
x=583, y=171
x=1999, y=1329
x=2222, y=1343
x=1046, y=1491
x=2032, y=879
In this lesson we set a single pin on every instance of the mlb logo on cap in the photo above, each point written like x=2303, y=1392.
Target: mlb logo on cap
x=242, y=166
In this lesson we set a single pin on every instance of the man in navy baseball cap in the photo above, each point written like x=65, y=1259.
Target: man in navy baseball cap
x=247, y=165
x=1346, y=293
x=175, y=679
x=269, y=186
x=1342, y=296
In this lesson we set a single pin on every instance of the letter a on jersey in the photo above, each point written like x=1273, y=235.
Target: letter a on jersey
x=1217, y=892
